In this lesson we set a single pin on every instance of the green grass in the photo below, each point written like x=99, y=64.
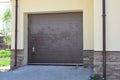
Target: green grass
x=5, y=61
x=4, y=57
x=4, y=53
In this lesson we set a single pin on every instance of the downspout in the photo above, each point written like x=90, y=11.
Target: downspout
x=104, y=39
x=16, y=28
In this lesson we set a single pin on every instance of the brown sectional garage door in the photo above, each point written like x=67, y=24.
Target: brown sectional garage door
x=55, y=38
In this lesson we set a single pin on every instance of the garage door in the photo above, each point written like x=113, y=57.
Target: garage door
x=55, y=38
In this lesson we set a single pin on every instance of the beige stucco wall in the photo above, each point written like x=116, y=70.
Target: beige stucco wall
x=53, y=6
x=49, y=6
x=112, y=23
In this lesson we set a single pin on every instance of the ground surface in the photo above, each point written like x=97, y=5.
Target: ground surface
x=4, y=68
x=47, y=73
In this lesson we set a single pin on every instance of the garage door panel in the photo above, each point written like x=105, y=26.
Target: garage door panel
x=52, y=56
x=56, y=38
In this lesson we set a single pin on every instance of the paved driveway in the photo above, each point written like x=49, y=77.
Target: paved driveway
x=48, y=73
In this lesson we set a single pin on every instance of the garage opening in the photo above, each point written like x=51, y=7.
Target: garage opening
x=55, y=38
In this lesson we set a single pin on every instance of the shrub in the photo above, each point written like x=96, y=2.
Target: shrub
x=5, y=53
x=96, y=77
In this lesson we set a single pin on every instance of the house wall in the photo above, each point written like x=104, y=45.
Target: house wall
x=92, y=24
x=1, y=39
x=56, y=6
x=112, y=38
x=112, y=24
x=52, y=6
x=1, y=42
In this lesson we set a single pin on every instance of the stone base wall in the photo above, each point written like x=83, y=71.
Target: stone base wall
x=112, y=65
x=88, y=58
x=19, y=58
